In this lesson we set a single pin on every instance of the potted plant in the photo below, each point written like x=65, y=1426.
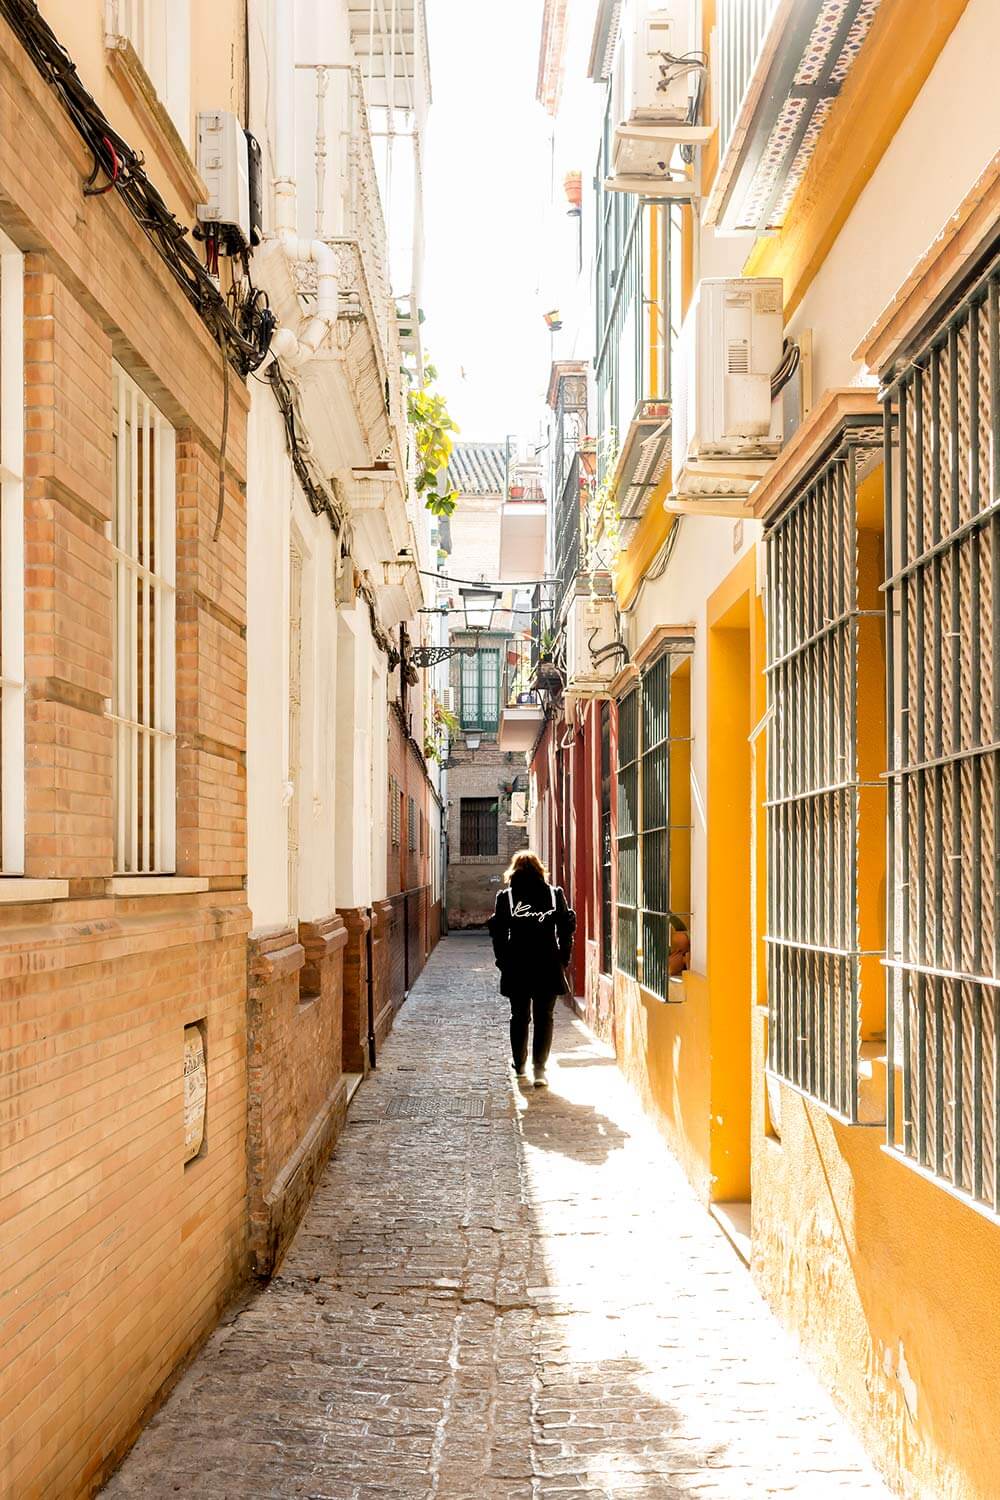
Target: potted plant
x=573, y=188
x=516, y=492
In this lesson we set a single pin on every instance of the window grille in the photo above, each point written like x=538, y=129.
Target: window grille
x=11, y=559
x=824, y=621
x=394, y=815
x=944, y=808
x=411, y=824
x=628, y=833
x=481, y=690
x=654, y=816
x=479, y=826
x=606, y=838
x=160, y=34
x=143, y=707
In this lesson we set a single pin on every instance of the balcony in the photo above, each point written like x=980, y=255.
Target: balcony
x=781, y=66
x=339, y=202
x=521, y=711
x=643, y=462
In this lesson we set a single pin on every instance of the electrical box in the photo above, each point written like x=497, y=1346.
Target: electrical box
x=726, y=426
x=648, y=88
x=224, y=165
x=255, y=180
x=591, y=626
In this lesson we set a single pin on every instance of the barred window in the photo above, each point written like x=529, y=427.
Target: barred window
x=824, y=927
x=480, y=707
x=394, y=815
x=411, y=824
x=143, y=702
x=944, y=811
x=11, y=559
x=654, y=823
x=479, y=819
x=628, y=834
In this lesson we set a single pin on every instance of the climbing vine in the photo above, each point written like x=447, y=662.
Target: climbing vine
x=427, y=412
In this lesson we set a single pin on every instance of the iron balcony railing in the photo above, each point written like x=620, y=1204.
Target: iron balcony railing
x=824, y=648
x=519, y=672
x=943, y=588
x=569, y=532
x=339, y=201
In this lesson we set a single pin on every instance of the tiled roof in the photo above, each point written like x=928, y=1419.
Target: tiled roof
x=478, y=468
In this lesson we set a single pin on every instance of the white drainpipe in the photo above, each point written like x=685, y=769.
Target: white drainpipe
x=291, y=347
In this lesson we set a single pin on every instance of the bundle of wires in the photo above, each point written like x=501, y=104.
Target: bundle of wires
x=127, y=176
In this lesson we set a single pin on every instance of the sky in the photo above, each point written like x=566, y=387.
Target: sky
x=486, y=177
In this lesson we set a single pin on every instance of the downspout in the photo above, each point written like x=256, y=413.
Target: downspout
x=290, y=347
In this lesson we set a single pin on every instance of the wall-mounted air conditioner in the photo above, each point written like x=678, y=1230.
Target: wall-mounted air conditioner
x=726, y=428
x=654, y=96
x=591, y=630
x=224, y=159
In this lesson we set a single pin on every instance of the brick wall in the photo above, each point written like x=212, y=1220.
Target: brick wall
x=473, y=880
x=117, y=1255
x=298, y=1095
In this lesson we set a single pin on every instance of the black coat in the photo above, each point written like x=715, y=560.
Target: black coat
x=532, y=941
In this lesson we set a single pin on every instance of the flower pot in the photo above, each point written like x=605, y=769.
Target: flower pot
x=516, y=491
x=573, y=188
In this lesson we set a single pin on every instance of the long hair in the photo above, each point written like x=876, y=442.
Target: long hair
x=525, y=862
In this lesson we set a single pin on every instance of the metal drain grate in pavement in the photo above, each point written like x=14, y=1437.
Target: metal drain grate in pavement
x=436, y=1106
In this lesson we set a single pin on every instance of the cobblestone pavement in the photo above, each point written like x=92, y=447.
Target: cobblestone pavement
x=498, y=1297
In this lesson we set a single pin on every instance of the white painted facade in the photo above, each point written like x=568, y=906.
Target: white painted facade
x=318, y=669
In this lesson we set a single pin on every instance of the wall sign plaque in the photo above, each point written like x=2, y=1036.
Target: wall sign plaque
x=195, y=1091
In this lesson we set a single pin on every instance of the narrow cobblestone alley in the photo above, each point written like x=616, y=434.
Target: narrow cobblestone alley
x=498, y=1297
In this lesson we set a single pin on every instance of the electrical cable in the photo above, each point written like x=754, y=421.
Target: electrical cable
x=126, y=171
x=791, y=356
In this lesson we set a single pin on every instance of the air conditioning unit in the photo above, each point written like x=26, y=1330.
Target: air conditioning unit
x=647, y=89
x=591, y=625
x=726, y=429
x=224, y=165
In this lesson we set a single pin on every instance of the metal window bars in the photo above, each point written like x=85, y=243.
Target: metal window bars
x=143, y=704
x=627, y=936
x=654, y=811
x=479, y=826
x=825, y=631
x=943, y=588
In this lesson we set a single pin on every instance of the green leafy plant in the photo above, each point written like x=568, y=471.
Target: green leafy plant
x=603, y=516
x=428, y=415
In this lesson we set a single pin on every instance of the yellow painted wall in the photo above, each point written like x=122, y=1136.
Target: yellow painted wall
x=664, y=1050
x=890, y=1284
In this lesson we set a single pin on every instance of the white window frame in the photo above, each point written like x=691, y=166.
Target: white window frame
x=143, y=704
x=159, y=32
x=11, y=558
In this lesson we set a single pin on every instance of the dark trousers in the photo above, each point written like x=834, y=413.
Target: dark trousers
x=525, y=1009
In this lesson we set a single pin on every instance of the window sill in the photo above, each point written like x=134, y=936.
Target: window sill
x=18, y=888
x=130, y=74
x=156, y=885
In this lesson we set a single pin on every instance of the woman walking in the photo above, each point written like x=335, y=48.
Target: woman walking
x=532, y=930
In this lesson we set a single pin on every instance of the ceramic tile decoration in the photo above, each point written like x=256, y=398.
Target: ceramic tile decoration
x=802, y=156
x=855, y=39
x=771, y=161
